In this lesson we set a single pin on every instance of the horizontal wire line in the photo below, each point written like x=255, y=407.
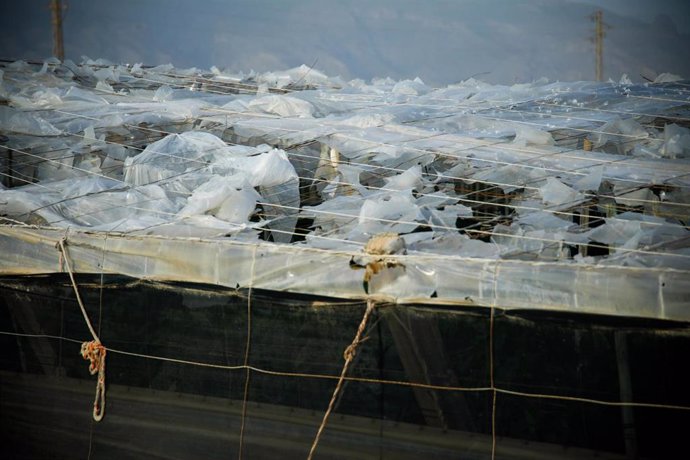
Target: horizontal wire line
x=366, y=379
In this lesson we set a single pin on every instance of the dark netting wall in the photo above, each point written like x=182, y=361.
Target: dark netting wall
x=419, y=386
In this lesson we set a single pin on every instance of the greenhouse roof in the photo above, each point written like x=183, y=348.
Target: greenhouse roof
x=555, y=195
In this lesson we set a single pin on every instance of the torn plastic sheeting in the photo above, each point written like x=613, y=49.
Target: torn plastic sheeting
x=404, y=157
x=272, y=171
x=334, y=213
x=387, y=143
x=278, y=183
x=414, y=87
x=410, y=281
x=20, y=204
x=281, y=203
x=41, y=98
x=169, y=111
x=511, y=177
x=615, y=232
x=301, y=74
x=266, y=169
x=657, y=261
x=284, y=132
x=284, y=106
x=676, y=142
x=518, y=241
x=14, y=120
x=238, y=206
x=212, y=194
x=667, y=235
x=545, y=220
x=464, y=124
x=354, y=146
x=591, y=181
x=174, y=154
x=197, y=226
x=388, y=213
x=651, y=231
x=446, y=218
x=526, y=135
x=636, y=197
x=107, y=74
x=77, y=94
x=58, y=165
x=163, y=94
x=621, y=132
x=452, y=243
x=104, y=87
x=410, y=179
x=349, y=176
x=437, y=200
x=111, y=206
x=367, y=120
x=556, y=193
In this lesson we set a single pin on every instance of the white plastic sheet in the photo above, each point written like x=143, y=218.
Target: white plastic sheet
x=489, y=186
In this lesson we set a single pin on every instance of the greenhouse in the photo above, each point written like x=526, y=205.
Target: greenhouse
x=289, y=264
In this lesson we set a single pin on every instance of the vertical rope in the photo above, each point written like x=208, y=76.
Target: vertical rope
x=94, y=351
x=247, y=349
x=349, y=355
x=100, y=295
x=63, y=251
x=100, y=323
x=491, y=362
x=493, y=386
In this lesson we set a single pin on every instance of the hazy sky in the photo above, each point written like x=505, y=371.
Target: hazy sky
x=441, y=41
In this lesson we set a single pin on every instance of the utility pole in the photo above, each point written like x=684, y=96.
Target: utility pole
x=58, y=48
x=599, y=34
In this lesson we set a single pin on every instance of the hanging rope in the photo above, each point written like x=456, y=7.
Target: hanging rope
x=379, y=246
x=349, y=355
x=93, y=351
x=247, y=349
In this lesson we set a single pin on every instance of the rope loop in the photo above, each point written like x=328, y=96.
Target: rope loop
x=95, y=352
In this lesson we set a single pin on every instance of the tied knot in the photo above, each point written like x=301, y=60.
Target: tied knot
x=351, y=349
x=350, y=352
x=94, y=352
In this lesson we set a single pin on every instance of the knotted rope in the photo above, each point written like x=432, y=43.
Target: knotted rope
x=377, y=248
x=349, y=355
x=93, y=351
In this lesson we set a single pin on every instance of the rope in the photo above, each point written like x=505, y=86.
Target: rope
x=93, y=350
x=247, y=349
x=349, y=355
x=493, y=386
